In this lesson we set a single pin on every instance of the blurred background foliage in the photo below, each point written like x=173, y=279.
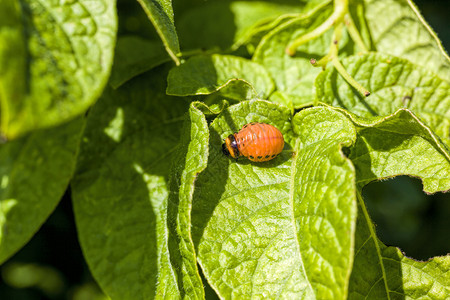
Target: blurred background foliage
x=51, y=265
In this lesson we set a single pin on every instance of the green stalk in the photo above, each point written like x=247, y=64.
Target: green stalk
x=354, y=33
x=340, y=68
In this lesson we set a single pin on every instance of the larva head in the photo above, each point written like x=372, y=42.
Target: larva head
x=229, y=147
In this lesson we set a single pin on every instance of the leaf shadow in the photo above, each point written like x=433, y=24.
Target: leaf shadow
x=173, y=207
x=132, y=136
x=208, y=35
x=210, y=185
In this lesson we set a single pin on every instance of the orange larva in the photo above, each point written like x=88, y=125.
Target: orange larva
x=256, y=141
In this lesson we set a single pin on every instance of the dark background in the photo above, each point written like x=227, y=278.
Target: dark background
x=51, y=265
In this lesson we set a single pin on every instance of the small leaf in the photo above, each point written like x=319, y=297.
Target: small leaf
x=394, y=83
x=35, y=170
x=283, y=228
x=160, y=13
x=294, y=76
x=134, y=56
x=397, y=28
x=202, y=75
x=121, y=187
x=55, y=59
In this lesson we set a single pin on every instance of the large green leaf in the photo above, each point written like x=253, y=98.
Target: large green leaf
x=121, y=188
x=398, y=144
x=206, y=74
x=394, y=83
x=396, y=27
x=34, y=173
x=160, y=13
x=283, y=228
x=381, y=272
x=55, y=58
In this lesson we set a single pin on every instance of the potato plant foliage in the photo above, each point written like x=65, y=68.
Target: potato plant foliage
x=160, y=211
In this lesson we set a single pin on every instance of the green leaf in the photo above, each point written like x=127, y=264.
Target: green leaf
x=34, y=173
x=397, y=28
x=134, y=56
x=160, y=13
x=229, y=25
x=394, y=83
x=55, y=59
x=381, y=272
x=121, y=187
x=190, y=160
x=206, y=74
x=294, y=76
x=283, y=228
x=398, y=144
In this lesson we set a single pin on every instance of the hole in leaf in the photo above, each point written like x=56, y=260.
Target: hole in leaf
x=408, y=218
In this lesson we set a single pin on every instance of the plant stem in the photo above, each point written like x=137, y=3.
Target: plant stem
x=340, y=68
x=354, y=33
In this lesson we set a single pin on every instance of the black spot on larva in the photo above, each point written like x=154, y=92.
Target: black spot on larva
x=252, y=123
x=273, y=155
x=267, y=156
x=259, y=157
x=251, y=156
x=245, y=126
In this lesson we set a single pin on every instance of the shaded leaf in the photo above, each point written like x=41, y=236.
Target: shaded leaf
x=282, y=228
x=121, y=187
x=230, y=24
x=55, y=59
x=35, y=170
x=134, y=56
x=160, y=13
x=202, y=75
